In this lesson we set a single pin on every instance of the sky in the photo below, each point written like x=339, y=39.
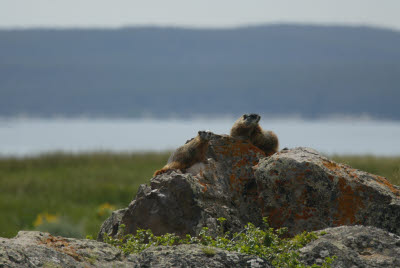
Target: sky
x=199, y=13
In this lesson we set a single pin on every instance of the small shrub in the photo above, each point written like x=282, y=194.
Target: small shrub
x=267, y=243
x=208, y=251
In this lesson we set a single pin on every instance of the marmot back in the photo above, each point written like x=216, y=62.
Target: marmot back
x=247, y=127
x=194, y=151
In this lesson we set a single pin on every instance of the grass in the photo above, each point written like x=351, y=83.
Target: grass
x=76, y=187
x=70, y=186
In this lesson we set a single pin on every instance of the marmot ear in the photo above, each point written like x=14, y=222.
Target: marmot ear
x=245, y=116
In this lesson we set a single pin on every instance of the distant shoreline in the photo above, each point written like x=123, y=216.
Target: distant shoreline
x=26, y=137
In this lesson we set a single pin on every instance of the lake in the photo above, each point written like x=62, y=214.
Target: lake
x=23, y=137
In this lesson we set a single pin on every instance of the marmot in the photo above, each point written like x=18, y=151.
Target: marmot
x=247, y=127
x=194, y=151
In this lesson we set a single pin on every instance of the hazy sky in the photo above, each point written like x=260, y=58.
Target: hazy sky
x=201, y=13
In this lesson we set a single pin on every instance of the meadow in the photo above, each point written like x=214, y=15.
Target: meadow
x=72, y=194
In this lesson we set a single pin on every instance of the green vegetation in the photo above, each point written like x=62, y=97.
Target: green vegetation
x=266, y=243
x=68, y=193
x=76, y=188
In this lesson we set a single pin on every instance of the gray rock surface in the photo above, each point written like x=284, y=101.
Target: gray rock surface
x=303, y=190
x=184, y=203
x=36, y=249
x=197, y=256
x=355, y=246
x=299, y=189
x=112, y=223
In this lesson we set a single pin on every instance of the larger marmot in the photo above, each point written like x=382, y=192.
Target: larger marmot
x=247, y=127
x=194, y=151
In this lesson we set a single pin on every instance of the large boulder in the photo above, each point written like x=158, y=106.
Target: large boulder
x=303, y=190
x=184, y=203
x=299, y=189
x=36, y=249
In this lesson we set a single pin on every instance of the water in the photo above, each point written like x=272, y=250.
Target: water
x=22, y=137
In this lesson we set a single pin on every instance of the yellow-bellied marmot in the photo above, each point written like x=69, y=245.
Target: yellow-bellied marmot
x=247, y=127
x=194, y=151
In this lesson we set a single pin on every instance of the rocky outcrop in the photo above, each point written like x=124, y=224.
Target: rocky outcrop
x=354, y=246
x=184, y=203
x=299, y=189
x=36, y=249
x=111, y=225
x=302, y=190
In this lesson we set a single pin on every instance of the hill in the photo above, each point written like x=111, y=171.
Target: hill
x=312, y=71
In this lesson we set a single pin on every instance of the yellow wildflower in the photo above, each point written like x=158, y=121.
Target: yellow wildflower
x=105, y=208
x=45, y=217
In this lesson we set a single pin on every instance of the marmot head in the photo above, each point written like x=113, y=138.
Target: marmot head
x=205, y=135
x=250, y=119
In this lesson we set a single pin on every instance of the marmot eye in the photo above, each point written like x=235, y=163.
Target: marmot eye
x=245, y=116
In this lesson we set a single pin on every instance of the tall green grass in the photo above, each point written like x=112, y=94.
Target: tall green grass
x=70, y=186
x=73, y=187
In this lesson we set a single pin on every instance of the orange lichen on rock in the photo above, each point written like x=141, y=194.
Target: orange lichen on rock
x=353, y=174
x=61, y=244
x=276, y=216
x=307, y=213
x=204, y=186
x=385, y=182
x=340, y=169
x=237, y=150
x=234, y=182
x=331, y=166
x=349, y=203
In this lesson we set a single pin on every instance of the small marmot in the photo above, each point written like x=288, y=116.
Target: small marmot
x=247, y=127
x=194, y=151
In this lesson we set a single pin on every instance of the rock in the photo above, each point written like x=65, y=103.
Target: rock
x=355, y=246
x=36, y=249
x=184, y=203
x=302, y=190
x=197, y=256
x=112, y=223
x=299, y=189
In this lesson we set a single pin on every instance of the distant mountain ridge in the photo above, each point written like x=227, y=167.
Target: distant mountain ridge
x=312, y=71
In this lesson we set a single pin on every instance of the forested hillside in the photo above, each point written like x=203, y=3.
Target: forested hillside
x=311, y=71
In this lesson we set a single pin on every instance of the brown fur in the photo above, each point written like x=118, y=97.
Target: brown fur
x=192, y=152
x=247, y=127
